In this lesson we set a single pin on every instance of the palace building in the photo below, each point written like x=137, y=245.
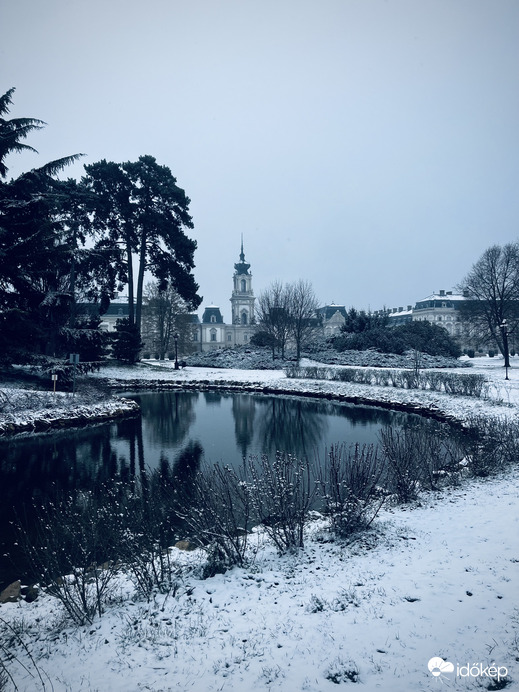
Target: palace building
x=212, y=332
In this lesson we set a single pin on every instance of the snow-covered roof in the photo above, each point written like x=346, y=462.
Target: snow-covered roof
x=212, y=311
x=448, y=295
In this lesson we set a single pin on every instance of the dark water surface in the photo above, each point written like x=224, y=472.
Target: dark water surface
x=228, y=427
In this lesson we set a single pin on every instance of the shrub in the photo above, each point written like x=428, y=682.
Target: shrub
x=491, y=353
x=76, y=537
x=348, y=485
x=217, y=511
x=421, y=336
x=453, y=383
x=490, y=444
x=282, y=492
x=470, y=352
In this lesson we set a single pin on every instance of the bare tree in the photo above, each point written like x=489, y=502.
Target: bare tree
x=491, y=310
x=303, y=311
x=164, y=315
x=273, y=314
x=287, y=311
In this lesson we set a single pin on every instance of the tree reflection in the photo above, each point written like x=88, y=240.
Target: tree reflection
x=168, y=417
x=291, y=426
x=243, y=411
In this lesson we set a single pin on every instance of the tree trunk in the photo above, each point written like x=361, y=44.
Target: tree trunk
x=131, y=307
x=140, y=280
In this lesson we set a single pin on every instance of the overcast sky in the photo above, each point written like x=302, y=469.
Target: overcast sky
x=370, y=146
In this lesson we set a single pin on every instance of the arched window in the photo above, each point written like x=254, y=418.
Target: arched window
x=213, y=334
x=213, y=318
x=244, y=317
x=243, y=285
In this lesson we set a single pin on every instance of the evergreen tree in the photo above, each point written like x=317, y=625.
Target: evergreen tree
x=146, y=214
x=126, y=342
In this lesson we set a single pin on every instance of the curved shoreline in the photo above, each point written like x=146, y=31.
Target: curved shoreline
x=58, y=419
x=428, y=411
x=442, y=407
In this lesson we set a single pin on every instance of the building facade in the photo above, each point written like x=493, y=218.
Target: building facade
x=212, y=332
x=332, y=318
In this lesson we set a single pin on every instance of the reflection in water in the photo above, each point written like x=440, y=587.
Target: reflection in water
x=291, y=425
x=213, y=398
x=168, y=415
x=185, y=427
x=243, y=411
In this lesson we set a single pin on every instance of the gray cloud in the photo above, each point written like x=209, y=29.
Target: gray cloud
x=370, y=146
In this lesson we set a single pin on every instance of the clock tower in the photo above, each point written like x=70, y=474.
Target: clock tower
x=242, y=299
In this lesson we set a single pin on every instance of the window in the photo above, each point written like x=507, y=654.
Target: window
x=213, y=334
x=243, y=285
x=195, y=336
x=229, y=337
x=213, y=319
x=244, y=317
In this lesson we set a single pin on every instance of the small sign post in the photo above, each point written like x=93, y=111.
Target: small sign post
x=54, y=380
x=74, y=359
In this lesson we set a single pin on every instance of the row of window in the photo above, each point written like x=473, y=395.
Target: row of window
x=213, y=334
x=243, y=320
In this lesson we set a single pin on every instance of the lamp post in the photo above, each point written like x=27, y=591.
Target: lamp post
x=175, y=336
x=504, y=333
x=74, y=359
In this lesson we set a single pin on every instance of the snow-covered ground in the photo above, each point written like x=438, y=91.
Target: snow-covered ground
x=435, y=581
x=503, y=395
x=25, y=410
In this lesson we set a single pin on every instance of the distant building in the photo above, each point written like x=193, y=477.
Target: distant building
x=332, y=318
x=443, y=310
x=117, y=310
x=212, y=332
x=400, y=315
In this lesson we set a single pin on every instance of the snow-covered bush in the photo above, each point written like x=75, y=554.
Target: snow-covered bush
x=470, y=384
x=348, y=481
x=282, y=493
x=70, y=549
x=490, y=444
x=216, y=509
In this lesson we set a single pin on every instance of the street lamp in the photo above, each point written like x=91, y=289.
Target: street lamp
x=504, y=332
x=175, y=336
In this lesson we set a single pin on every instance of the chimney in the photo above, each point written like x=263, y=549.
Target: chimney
x=442, y=292
x=409, y=308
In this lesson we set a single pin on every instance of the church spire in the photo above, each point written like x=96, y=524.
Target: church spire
x=242, y=267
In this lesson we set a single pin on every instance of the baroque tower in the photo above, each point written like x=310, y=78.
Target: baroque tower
x=242, y=299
